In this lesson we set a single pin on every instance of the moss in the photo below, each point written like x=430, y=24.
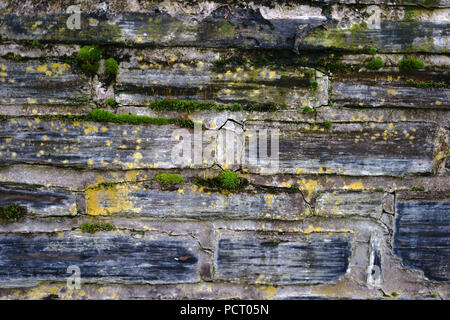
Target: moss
x=308, y=110
x=111, y=67
x=34, y=43
x=314, y=86
x=339, y=66
x=88, y=58
x=266, y=107
x=96, y=227
x=227, y=180
x=411, y=15
x=184, y=105
x=236, y=107
x=326, y=124
x=417, y=189
x=433, y=295
x=375, y=64
x=226, y=29
x=169, y=178
x=100, y=115
x=372, y=51
x=111, y=102
x=12, y=213
x=411, y=64
x=394, y=294
x=379, y=189
x=426, y=84
x=14, y=57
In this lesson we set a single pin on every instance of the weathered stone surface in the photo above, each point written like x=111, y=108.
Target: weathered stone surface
x=253, y=258
x=349, y=203
x=89, y=144
x=34, y=82
x=103, y=257
x=141, y=82
x=145, y=200
x=422, y=234
x=39, y=200
x=368, y=90
x=150, y=28
x=352, y=149
x=390, y=36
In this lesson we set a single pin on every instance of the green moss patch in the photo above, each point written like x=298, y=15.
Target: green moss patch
x=426, y=84
x=100, y=115
x=226, y=180
x=88, y=58
x=111, y=67
x=375, y=64
x=96, y=227
x=12, y=213
x=111, y=102
x=314, y=86
x=308, y=110
x=411, y=64
x=169, y=178
x=185, y=105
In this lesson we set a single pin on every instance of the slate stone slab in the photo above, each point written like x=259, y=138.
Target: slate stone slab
x=381, y=93
x=171, y=203
x=39, y=200
x=139, y=83
x=349, y=203
x=422, y=233
x=101, y=257
x=86, y=144
x=41, y=82
x=372, y=149
x=253, y=258
x=391, y=36
x=243, y=29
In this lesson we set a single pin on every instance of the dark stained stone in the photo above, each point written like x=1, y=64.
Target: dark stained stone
x=370, y=91
x=36, y=82
x=422, y=233
x=39, y=200
x=252, y=258
x=393, y=149
x=103, y=257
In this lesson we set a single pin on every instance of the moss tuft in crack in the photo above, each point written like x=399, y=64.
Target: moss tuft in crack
x=12, y=213
x=97, y=227
x=88, y=58
x=169, y=178
x=226, y=180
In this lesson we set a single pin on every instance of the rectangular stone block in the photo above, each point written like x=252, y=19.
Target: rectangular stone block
x=385, y=36
x=31, y=82
x=363, y=91
x=372, y=149
x=102, y=257
x=38, y=200
x=350, y=203
x=140, y=82
x=253, y=258
x=422, y=233
x=148, y=28
x=148, y=200
x=84, y=144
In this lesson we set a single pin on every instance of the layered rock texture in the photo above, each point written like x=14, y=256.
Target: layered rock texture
x=352, y=202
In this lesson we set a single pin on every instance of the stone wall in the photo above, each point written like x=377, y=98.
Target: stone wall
x=359, y=206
